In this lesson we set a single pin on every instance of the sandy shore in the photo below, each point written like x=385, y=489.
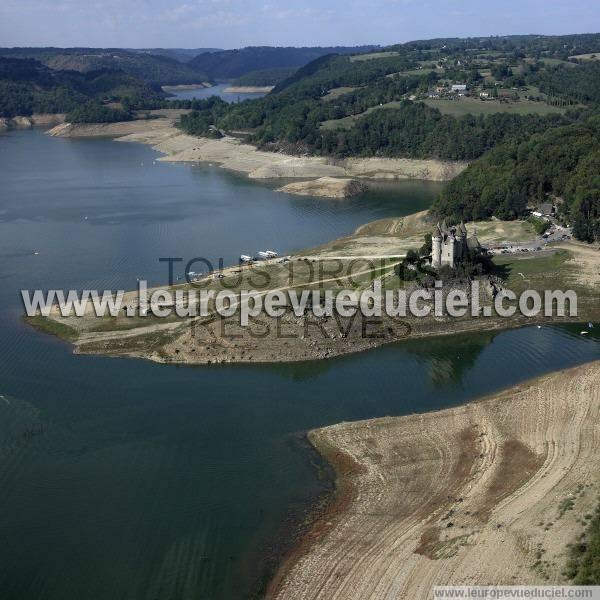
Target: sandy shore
x=486, y=493
x=232, y=154
x=249, y=89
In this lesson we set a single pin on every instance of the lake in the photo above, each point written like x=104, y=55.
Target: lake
x=215, y=90
x=124, y=479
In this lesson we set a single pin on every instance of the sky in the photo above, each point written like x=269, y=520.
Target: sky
x=238, y=23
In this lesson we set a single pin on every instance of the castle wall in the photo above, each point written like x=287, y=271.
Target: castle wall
x=436, y=252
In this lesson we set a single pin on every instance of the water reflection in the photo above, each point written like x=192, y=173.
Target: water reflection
x=450, y=359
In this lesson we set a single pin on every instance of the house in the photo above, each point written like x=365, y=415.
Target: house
x=459, y=87
x=546, y=209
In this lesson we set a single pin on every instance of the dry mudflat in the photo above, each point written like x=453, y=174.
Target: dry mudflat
x=248, y=89
x=486, y=493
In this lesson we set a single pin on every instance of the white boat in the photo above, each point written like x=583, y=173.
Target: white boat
x=271, y=253
x=245, y=258
x=263, y=255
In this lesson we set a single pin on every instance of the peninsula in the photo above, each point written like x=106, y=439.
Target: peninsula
x=375, y=252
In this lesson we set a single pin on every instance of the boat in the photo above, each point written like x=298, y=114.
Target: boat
x=268, y=254
x=245, y=258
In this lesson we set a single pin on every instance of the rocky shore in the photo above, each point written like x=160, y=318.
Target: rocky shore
x=328, y=187
x=35, y=120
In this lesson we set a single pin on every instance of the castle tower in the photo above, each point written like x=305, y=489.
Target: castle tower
x=449, y=249
x=436, y=247
x=461, y=241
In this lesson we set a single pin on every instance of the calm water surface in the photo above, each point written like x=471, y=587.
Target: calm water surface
x=216, y=90
x=123, y=479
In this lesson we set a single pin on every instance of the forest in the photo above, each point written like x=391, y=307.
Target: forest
x=562, y=164
x=27, y=86
x=231, y=64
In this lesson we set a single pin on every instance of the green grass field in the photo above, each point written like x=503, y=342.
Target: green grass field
x=334, y=93
x=372, y=55
x=459, y=108
x=474, y=106
x=347, y=122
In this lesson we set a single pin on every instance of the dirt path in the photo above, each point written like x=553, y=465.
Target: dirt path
x=486, y=493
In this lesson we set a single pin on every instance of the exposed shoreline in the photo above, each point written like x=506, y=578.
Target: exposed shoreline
x=34, y=120
x=232, y=154
x=327, y=187
x=248, y=89
x=466, y=495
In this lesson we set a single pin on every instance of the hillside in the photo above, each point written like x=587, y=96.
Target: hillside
x=151, y=68
x=27, y=86
x=452, y=99
x=231, y=64
x=562, y=163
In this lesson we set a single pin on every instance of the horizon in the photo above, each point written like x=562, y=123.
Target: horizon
x=234, y=24
x=381, y=45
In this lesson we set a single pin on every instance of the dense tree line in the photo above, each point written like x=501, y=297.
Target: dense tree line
x=537, y=46
x=561, y=163
x=95, y=112
x=579, y=83
x=414, y=130
x=200, y=121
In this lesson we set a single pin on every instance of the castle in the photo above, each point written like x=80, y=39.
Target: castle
x=450, y=244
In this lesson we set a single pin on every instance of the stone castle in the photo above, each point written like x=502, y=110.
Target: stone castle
x=450, y=244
